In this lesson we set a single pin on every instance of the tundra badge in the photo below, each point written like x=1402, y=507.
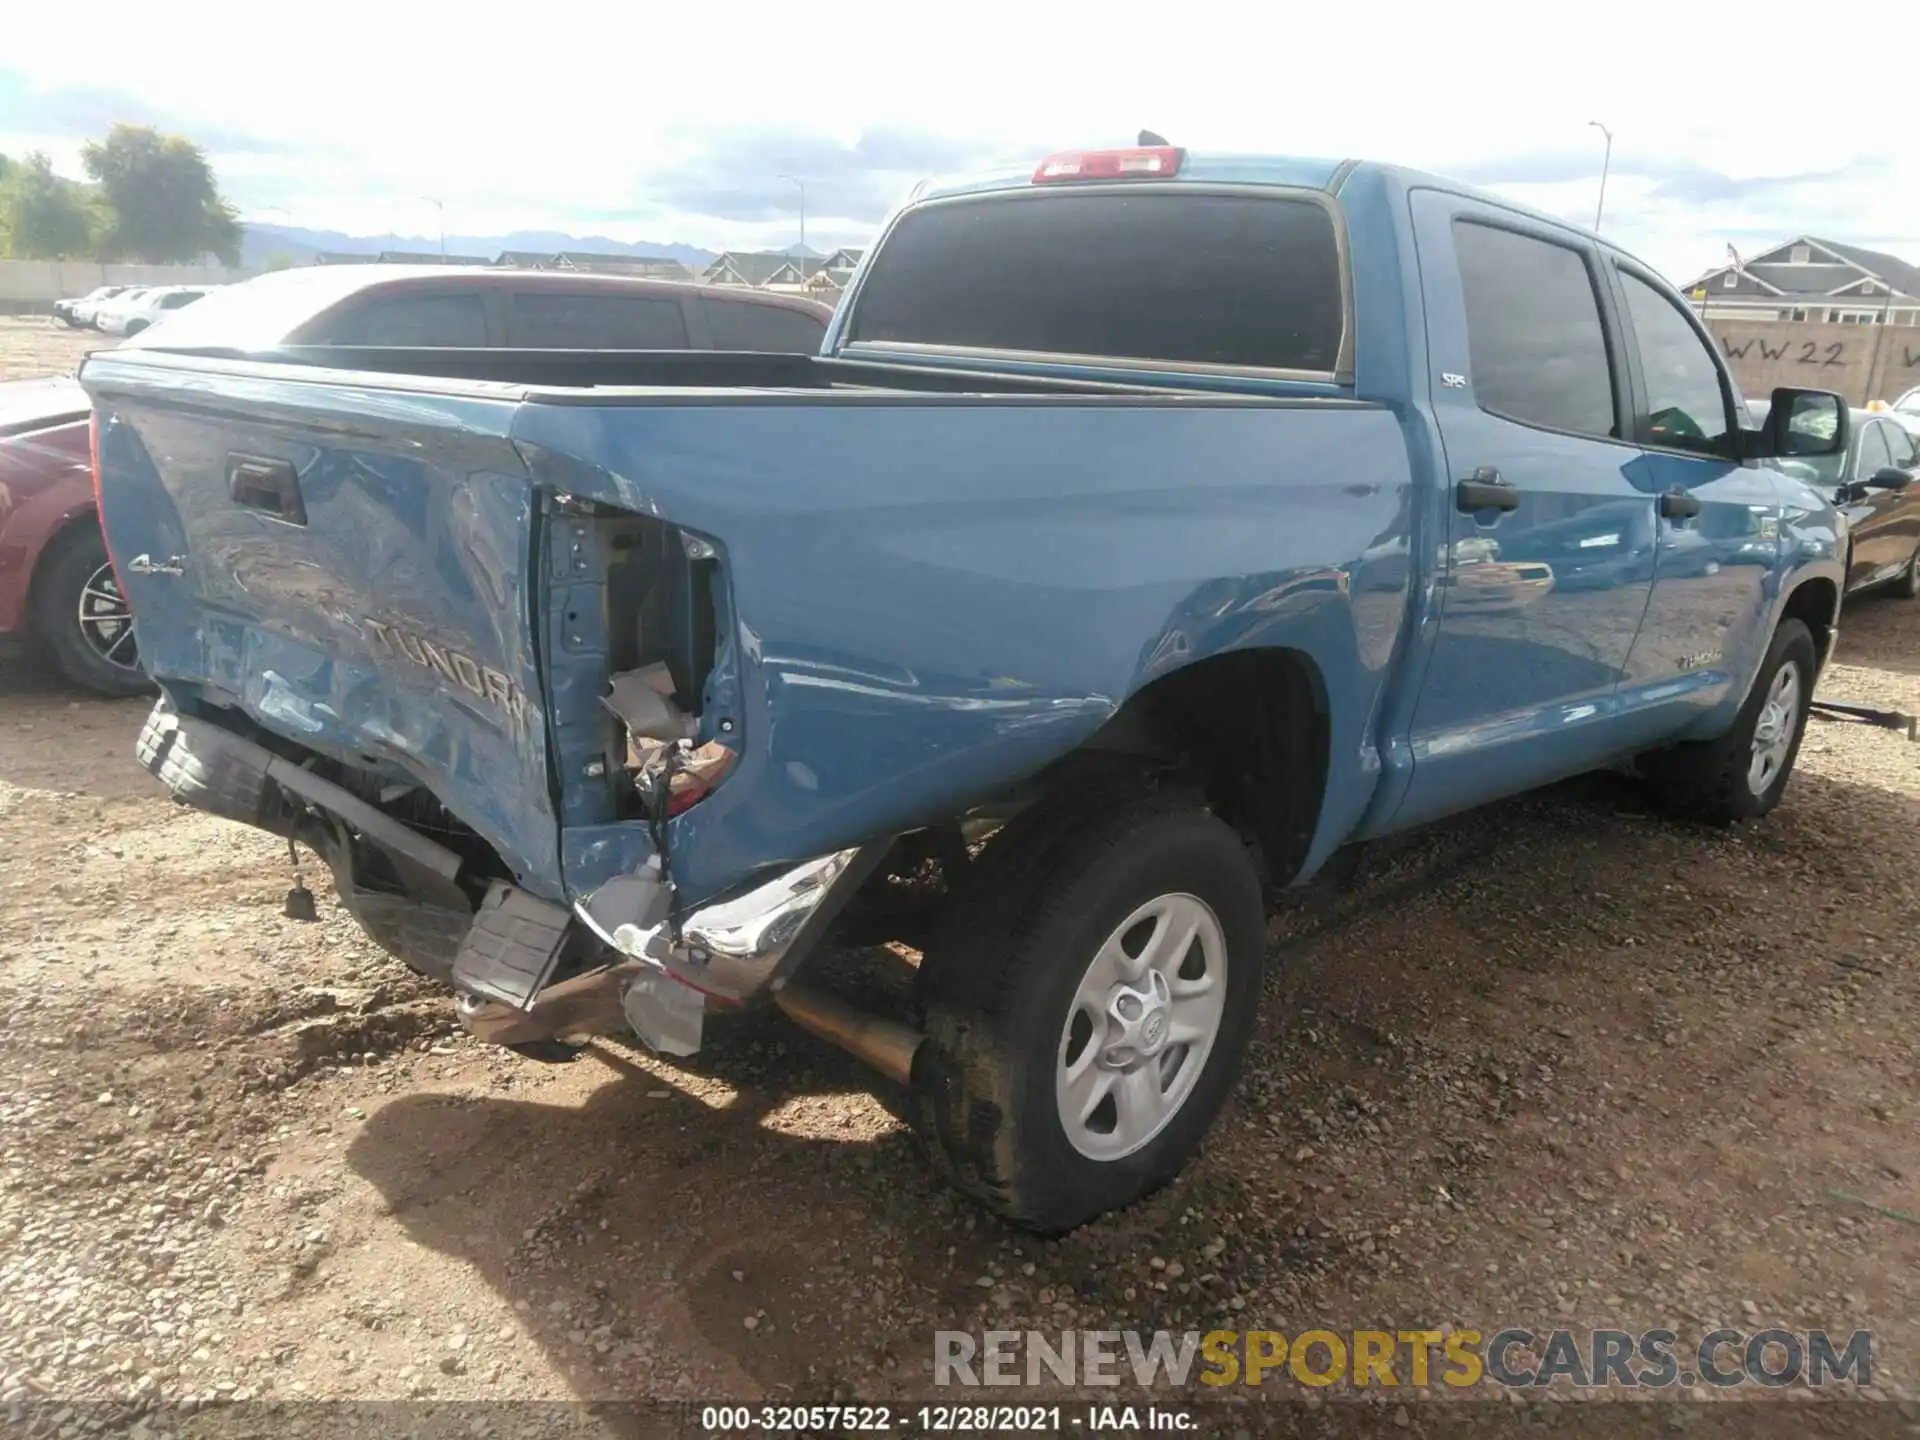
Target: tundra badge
x=483, y=682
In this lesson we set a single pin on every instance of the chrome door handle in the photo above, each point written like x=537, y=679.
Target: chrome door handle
x=147, y=565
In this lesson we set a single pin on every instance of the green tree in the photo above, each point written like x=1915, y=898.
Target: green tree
x=279, y=260
x=43, y=216
x=161, y=200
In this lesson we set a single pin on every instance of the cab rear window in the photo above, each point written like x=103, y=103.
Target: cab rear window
x=1189, y=278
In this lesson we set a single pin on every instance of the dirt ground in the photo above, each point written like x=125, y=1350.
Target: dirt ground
x=1561, y=1062
x=35, y=345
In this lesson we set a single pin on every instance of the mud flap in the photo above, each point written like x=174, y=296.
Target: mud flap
x=512, y=947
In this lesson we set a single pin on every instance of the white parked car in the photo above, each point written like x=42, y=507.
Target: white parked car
x=97, y=313
x=86, y=311
x=148, y=308
x=70, y=310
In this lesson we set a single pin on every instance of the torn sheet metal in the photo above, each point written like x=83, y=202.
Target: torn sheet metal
x=664, y=1013
x=643, y=699
x=640, y=901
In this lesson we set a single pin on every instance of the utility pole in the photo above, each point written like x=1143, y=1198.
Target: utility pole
x=443, y=223
x=1606, y=161
x=803, y=224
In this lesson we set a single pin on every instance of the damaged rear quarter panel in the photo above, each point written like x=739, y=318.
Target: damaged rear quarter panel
x=393, y=626
x=935, y=598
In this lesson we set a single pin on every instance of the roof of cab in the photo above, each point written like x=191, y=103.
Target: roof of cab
x=1297, y=171
x=1307, y=173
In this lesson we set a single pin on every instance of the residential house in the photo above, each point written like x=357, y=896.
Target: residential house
x=795, y=272
x=1814, y=280
x=525, y=259
x=825, y=284
x=842, y=259
x=746, y=267
x=647, y=267
x=427, y=257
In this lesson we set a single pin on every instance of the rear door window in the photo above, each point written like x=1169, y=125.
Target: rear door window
x=427, y=321
x=742, y=325
x=1191, y=277
x=586, y=321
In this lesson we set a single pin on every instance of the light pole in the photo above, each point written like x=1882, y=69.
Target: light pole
x=1606, y=161
x=803, y=221
x=443, y=222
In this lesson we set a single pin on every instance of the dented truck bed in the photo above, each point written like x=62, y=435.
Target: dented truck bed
x=645, y=652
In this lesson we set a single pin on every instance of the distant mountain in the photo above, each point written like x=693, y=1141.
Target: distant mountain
x=261, y=243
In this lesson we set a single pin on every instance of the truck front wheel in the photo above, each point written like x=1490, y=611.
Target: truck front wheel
x=1743, y=774
x=1087, y=1003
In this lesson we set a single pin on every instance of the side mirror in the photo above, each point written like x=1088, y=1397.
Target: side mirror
x=1802, y=424
x=1890, y=478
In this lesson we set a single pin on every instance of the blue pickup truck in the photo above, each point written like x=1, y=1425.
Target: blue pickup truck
x=1150, y=527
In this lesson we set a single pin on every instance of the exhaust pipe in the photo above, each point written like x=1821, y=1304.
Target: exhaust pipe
x=887, y=1045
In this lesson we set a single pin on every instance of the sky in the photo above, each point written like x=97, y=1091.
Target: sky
x=701, y=124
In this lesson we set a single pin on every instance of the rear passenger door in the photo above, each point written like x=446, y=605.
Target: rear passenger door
x=1719, y=518
x=1549, y=545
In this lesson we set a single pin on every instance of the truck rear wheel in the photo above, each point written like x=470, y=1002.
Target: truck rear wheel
x=1087, y=1004
x=1743, y=774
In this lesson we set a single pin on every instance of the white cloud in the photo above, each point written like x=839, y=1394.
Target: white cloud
x=593, y=118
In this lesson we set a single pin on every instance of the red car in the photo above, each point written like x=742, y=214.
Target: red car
x=56, y=588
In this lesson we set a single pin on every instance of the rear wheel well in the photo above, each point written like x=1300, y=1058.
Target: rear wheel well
x=61, y=535
x=1812, y=603
x=1251, y=727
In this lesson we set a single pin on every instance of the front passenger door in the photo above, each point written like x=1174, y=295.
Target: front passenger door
x=1718, y=517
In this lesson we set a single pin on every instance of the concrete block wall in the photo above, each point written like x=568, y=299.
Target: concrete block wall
x=31, y=286
x=1861, y=362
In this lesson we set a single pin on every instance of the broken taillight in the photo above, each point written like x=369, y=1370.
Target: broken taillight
x=696, y=776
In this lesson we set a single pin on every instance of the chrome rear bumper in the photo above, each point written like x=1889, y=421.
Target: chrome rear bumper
x=733, y=946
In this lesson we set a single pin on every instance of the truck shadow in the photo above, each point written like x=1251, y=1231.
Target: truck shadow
x=660, y=1214
x=780, y=1236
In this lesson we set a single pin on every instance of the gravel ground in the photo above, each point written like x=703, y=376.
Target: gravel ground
x=34, y=345
x=1560, y=1062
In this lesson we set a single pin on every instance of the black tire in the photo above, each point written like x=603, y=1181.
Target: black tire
x=1907, y=585
x=1712, y=780
x=73, y=570
x=998, y=986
